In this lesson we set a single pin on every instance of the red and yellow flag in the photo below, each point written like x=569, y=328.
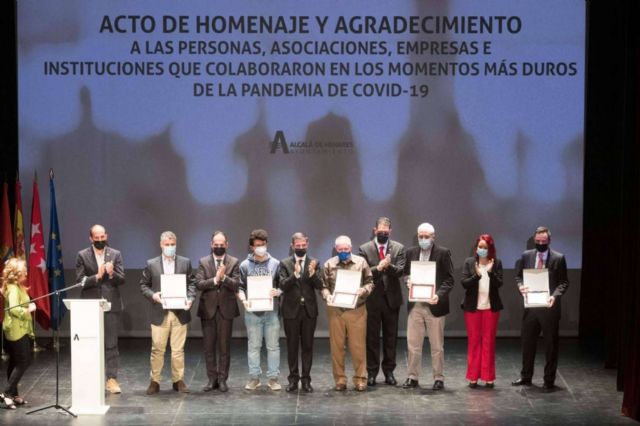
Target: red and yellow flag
x=18, y=224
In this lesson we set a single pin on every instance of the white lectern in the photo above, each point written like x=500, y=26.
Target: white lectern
x=87, y=355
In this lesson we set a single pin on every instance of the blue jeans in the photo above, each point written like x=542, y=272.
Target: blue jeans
x=267, y=326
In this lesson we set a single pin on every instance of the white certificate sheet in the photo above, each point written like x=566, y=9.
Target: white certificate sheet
x=345, y=291
x=537, y=280
x=173, y=290
x=423, y=281
x=259, y=293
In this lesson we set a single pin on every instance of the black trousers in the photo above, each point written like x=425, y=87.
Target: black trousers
x=384, y=318
x=216, y=334
x=20, y=355
x=534, y=321
x=111, y=353
x=299, y=332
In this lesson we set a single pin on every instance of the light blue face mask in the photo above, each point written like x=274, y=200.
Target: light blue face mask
x=425, y=243
x=169, y=251
x=482, y=252
x=344, y=256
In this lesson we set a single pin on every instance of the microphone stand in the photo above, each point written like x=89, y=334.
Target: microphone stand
x=56, y=293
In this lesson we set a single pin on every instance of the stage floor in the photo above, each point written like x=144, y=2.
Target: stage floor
x=586, y=393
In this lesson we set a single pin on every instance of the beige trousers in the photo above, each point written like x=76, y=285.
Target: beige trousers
x=348, y=324
x=160, y=335
x=420, y=322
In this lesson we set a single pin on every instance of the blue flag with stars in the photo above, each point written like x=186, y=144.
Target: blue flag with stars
x=54, y=260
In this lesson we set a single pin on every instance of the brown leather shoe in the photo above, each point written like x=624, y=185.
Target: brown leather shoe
x=179, y=386
x=154, y=387
x=113, y=386
x=341, y=387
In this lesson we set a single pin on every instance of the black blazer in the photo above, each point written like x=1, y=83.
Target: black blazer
x=295, y=288
x=150, y=284
x=557, y=266
x=444, y=276
x=390, y=278
x=106, y=288
x=221, y=296
x=470, y=282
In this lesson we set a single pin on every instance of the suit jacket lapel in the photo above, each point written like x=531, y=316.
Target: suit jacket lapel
x=374, y=251
x=93, y=260
x=108, y=255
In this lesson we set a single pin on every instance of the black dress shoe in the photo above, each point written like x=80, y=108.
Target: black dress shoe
x=548, y=386
x=306, y=386
x=213, y=384
x=521, y=382
x=390, y=380
x=291, y=387
x=371, y=381
x=222, y=385
x=473, y=385
x=410, y=384
x=489, y=385
x=438, y=385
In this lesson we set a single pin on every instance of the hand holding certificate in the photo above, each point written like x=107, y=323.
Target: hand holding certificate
x=423, y=281
x=173, y=290
x=259, y=297
x=345, y=293
x=537, y=283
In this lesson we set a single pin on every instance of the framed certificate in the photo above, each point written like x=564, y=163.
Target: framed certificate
x=173, y=290
x=259, y=293
x=421, y=292
x=423, y=281
x=537, y=280
x=345, y=291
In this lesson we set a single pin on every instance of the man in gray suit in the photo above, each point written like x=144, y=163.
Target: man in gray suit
x=386, y=258
x=167, y=323
x=100, y=268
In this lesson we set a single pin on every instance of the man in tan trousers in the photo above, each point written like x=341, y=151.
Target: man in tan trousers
x=167, y=323
x=351, y=323
x=428, y=317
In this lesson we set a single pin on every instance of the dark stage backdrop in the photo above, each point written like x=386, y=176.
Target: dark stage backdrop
x=184, y=116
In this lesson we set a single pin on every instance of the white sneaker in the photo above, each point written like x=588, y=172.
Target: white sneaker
x=274, y=385
x=252, y=384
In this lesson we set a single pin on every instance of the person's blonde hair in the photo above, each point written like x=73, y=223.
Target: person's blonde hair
x=11, y=273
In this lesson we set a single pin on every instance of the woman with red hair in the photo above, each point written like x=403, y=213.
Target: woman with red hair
x=482, y=279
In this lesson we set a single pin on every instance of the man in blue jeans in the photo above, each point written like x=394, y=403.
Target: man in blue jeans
x=261, y=324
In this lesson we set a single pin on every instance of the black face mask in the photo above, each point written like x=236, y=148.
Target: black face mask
x=219, y=251
x=542, y=247
x=382, y=238
x=300, y=252
x=100, y=244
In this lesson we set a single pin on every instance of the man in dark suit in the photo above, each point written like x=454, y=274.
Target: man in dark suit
x=218, y=278
x=386, y=258
x=100, y=268
x=431, y=313
x=300, y=277
x=167, y=323
x=543, y=319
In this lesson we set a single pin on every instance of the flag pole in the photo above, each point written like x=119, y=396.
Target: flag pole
x=5, y=356
x=36, y=347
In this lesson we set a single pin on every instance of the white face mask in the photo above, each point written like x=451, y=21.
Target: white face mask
x=169, y=251
x=425, y=243
x=260, y=251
